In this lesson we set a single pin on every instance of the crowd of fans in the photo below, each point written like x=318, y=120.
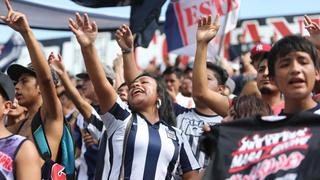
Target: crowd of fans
x=182, y=123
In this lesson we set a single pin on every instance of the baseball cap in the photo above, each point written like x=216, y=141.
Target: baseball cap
x=260, y=48
x=16, y=70
x=108, y=71
x=258, y=53
x=7, y=86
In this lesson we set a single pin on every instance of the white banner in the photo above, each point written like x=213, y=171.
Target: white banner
x=187, y=13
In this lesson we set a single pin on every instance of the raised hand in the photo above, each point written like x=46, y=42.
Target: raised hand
x=56, y=63
x=85, y=31
x=207, y=30
x=312, y=27
x=15, y=20
x=124, y=37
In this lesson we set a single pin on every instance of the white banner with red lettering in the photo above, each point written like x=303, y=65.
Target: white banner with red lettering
x=181, y=23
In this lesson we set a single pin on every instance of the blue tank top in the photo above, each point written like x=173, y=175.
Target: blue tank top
x=9, y=147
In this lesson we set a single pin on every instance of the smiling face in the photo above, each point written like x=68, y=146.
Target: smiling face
x=295, y=75
x=143, y=93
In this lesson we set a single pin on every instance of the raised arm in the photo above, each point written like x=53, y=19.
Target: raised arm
x=215, y=101
x=86, y=33
x=118, y=71
x=313, y=29
x=51, y=108
x=82, y=105
x=125, y=41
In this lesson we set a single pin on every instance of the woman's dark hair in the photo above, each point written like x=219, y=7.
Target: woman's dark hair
x=249, y=105
x=220, y=73
x=290, y=44
x=166, y=112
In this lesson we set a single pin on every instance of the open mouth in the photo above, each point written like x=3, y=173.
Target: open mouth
x=136, y=92
x=296, y=81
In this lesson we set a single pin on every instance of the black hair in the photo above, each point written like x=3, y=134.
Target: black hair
x=4, y=94
x=250, y=105
x=121, y=85
x=166, y=112
x=259, y=57
x=290, y=44
x=172, y=70
x=220, y=73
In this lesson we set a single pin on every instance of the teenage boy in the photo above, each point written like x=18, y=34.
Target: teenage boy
x=35, y=90
x=294, y=66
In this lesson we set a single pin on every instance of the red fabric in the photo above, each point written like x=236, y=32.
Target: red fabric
x=260, y=48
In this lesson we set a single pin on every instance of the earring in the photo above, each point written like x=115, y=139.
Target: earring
x=158, y=103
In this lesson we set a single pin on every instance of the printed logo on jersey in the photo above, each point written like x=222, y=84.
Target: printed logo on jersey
x=57, y=172
x=5, y=162
x=171, y=134
x=269, y=153
x=192, y=127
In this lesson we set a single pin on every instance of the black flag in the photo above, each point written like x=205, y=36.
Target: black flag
x=144, y=20
x=144, y=16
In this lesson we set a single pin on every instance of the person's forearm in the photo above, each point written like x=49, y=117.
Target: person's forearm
x=95, y=71
x=103, y=89
x=74, y=95
x=130, y=68
x=199, y=76
x=37, y=56
x=51, y=104
x=119, y=79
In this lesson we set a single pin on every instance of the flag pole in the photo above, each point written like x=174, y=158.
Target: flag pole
x=221, y=43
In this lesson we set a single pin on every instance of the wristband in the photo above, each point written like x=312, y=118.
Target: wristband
x=126, y=50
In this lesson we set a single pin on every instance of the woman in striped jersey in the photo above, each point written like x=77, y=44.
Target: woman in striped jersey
x=142, y=142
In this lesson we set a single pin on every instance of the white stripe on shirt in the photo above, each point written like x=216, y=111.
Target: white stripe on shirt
x=161, y=134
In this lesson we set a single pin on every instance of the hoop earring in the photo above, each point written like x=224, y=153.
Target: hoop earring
x=158, y=103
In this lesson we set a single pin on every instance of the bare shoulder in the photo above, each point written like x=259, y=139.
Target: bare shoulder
x=28, y=164
x=27, y=151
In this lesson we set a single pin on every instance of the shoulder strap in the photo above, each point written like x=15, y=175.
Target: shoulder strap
x=125, y=142
x=66, y=144
x=40, y=137
x=67, y=147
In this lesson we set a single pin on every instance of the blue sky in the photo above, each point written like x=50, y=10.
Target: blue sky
x=249, y=9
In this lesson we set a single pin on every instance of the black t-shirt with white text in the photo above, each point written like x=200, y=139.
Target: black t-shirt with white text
x=271, y=147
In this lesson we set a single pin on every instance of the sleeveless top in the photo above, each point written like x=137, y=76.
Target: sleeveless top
x=64, y=166
x=9, y=147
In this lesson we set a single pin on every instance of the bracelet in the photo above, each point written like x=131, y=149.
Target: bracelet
x=126, y=50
